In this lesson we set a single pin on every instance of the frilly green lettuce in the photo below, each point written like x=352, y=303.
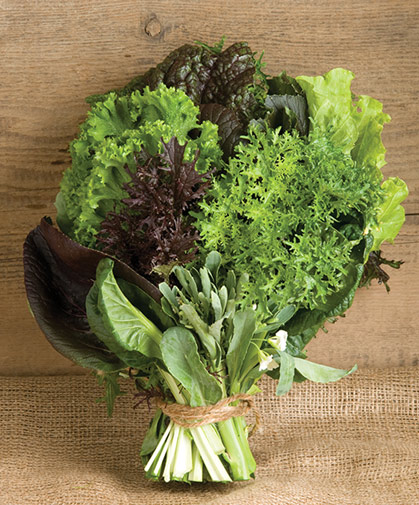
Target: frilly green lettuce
x=114, y=131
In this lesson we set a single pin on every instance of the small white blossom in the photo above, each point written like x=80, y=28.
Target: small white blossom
x=254, y=306
x=266, y=361
x=280, y=340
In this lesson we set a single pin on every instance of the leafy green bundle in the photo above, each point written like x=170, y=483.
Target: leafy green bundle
x=212, y=220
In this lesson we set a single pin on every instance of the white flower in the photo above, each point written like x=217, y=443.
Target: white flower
x=266, y=361
x=280, y=340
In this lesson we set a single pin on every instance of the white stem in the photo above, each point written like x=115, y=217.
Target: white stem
x=183, y=457
x=171, y=453
x=159, y=447
x=212, y=462
x=196, y=474
x=213, y=438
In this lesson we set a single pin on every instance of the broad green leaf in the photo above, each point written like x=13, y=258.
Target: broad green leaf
x=216, y=305
x=285, y=314
x=369, y=118
x=130, y=328
x=244, y=324
x=320, y=373
x=286, y=374
x=168, y=294
x=105, y=334
x=391, y=214
x=205, y=282
x=145, y=303
x=329, y=100
x=187, y=281
x=180, y=355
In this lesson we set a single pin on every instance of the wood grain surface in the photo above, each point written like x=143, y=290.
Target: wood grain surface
x=54, y=53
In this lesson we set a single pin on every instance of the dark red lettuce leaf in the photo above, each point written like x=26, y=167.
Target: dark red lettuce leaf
x=153, y=228
x=58, y=276
x=373, y=270
x=230, y=129
x=207, y=75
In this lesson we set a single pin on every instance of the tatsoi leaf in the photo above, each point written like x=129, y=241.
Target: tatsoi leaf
x=391, y=214
x=244, y=327
x=212, y=263
x=286, y=374
x=320, y=373
x=130, y=358
x=130, y=328
x=180, y=355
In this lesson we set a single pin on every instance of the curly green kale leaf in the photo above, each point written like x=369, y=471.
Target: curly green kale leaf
x=114, y=131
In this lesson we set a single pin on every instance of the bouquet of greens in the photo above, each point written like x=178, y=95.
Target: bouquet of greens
x=212, y=220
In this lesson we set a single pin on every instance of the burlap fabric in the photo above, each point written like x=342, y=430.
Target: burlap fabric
x=353, y=442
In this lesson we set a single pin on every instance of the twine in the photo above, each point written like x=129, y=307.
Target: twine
x=192, y=417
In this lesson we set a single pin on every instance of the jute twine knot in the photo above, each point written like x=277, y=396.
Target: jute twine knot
x=192, y=417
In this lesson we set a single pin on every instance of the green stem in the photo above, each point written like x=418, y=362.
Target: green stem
x=236, y=458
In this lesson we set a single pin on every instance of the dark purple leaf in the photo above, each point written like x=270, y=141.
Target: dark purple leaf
x=230, y=129
x=154, y=220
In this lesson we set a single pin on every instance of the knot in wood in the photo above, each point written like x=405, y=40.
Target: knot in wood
x=153, y=27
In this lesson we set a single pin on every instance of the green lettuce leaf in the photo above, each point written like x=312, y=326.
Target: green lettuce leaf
x=116, y=130
x=356, y=122
x=391, y=215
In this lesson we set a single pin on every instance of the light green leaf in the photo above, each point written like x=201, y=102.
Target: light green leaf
x=244, y=324
x=391, y=214
x=356, y=122
x=212, y=263
x=105, y=334
x=180, y=355
x=286, y=374
x=320, y=373
x=129, y=327
x=201, y=327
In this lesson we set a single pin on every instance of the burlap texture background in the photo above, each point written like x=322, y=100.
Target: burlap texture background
x=352, y=442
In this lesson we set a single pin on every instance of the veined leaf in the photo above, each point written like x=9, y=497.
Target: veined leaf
x=130, y=328
x=180, y=355
x=320, y=373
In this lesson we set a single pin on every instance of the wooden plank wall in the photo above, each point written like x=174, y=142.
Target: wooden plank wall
x=53, y=53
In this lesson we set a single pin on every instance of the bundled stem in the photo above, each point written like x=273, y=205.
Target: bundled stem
x=200, y=443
